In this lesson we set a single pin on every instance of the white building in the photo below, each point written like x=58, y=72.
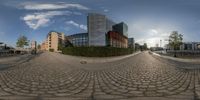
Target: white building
x=190, y=46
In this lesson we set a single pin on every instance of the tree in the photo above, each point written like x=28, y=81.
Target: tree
x=145, y=46
x=60, y=46
x=137, y=46
x=39, y=46
x=175, y=40
x=22, y=41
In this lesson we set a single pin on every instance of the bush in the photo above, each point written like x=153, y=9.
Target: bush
x=51, y=50
x=96, y=51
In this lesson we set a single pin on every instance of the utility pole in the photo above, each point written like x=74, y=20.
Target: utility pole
x=160, y=43
x=35, y=47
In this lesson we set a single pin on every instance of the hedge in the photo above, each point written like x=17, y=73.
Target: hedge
x=51, y=50
x=96, y=51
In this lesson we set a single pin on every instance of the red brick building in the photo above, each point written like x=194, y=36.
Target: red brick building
x=115, y=39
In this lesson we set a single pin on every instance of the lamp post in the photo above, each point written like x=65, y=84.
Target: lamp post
x=160, y=43
x=167, y=47
x=35, y=47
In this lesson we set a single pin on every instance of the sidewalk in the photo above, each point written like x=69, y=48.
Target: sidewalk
x=178, y=59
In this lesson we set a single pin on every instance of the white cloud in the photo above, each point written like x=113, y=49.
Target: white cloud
x=44, y=18
x=150, y=32
x=72, y=23
x=155, y=36
x=52, y=6
x=84, y=27
x=40, y=19
x=81, y=26
x=154, y=31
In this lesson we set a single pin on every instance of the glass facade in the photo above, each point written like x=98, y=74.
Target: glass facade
x=80, y=39
x=109, y=25
x=98, y=26
x=122, y=28
x=131, y=43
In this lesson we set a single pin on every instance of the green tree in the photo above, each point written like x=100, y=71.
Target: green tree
x=175, y=40
x=22, y=41
x=39, y=46
x=60, y=46
x=145, y=46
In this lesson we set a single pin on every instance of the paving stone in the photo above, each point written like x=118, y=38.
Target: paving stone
x=52, y=75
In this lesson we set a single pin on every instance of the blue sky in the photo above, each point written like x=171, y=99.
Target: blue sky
x=148, y=20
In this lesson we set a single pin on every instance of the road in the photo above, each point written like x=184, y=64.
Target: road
x=52, y=76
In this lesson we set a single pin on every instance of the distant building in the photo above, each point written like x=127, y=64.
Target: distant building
x=131, y=43
x=80, y=39
x=157, y=45
x=115, y=39
x=43, y=46
x=101, y=32
x=190, y=46
x=2, y=47
x=98, y=26
x=54, y=40
x=33, y=45
x=137, y=46
x=109, y=25
x=156, y=48
x=121, y=28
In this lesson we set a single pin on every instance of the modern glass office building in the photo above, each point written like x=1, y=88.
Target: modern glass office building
x=131, y=43
x=121, y=28
x=79, y=39
x=98, y=26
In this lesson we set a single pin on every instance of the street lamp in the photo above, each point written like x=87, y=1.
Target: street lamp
x=160, y=43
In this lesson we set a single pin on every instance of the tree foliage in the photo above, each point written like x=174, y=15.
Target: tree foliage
x=22, y=41
x=39, y=46
x=60, y=46
x=175, y=40
x=145, y=46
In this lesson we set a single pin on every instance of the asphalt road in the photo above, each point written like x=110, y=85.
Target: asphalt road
x=52, y=76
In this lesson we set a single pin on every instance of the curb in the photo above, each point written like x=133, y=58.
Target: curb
x=176, y=59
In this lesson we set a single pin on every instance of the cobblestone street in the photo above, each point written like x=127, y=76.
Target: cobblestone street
x=51, y=76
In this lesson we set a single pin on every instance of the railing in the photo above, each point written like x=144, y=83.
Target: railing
x=180, y=52
x=5, y=53
x=190, y=52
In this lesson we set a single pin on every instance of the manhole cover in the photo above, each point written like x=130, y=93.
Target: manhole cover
x=83, y=62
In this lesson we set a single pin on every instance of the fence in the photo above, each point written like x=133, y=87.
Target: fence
x=185, y=52
x=180, y=52
x=4, y=53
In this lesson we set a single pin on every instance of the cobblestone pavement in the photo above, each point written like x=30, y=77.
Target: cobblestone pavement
x=51, y=76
